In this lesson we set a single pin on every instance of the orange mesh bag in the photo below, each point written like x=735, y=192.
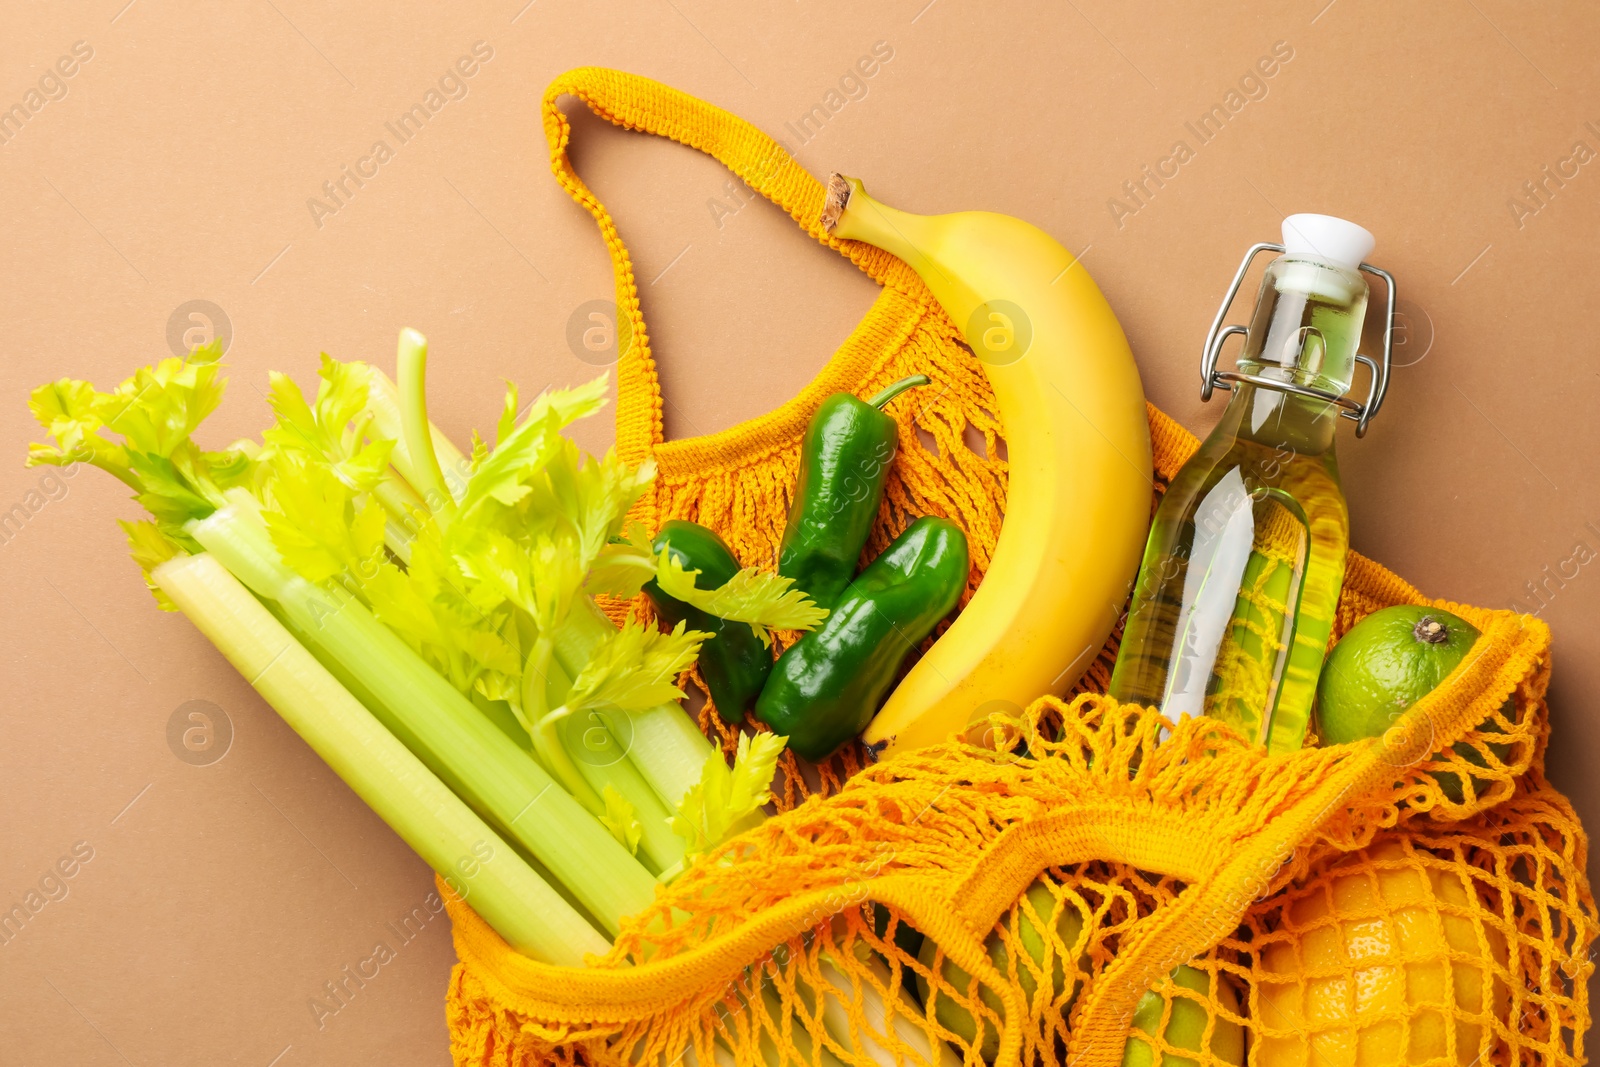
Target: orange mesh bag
x=1095, y=892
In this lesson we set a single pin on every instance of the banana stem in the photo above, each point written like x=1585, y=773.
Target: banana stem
x=851, y=214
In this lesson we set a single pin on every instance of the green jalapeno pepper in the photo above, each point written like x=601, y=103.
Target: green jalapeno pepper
x=848, y=447
x=828, y=685
x=734, y=663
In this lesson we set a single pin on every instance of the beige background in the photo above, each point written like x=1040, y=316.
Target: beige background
x=178, y=165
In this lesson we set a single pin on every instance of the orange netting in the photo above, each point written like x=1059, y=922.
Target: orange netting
x=1093, y=892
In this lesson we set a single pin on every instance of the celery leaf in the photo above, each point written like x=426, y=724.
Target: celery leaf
x=636, y=668
x=523, y=452
x=68, y=410
x=622, y=567
x=165, y=492
x=317, y=525
x=621, y=819
x=159, y=407
x=150, y=548
x=155, y=412
x=717, y=806
x=475, y=647
x=542, y=577
x=508, y=415
x=589, y=497
x=334, y=428
x=764, y=601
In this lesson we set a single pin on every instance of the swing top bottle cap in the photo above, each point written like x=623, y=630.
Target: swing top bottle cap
x=1327, y=238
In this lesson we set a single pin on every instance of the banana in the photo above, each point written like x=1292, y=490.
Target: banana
x=1078, y=439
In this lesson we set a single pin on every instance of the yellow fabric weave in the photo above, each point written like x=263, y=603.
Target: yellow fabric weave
x=1198, y=848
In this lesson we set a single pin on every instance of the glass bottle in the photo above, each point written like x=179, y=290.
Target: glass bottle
x=1236, y=595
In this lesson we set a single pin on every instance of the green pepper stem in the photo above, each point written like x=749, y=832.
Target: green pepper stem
x=897, y=388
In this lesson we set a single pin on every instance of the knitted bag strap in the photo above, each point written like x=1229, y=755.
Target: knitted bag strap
x=638, y=103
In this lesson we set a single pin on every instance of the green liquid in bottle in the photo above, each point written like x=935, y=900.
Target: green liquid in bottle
x=1236, y=596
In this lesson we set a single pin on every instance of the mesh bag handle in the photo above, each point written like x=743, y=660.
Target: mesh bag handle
x=638, y=103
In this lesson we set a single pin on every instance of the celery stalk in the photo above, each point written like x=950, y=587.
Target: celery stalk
x=664, y=744
x=416, y=430
x=836, y=1019
x=602, y=762
x=405, y=510
x=455, y=739
x=581, y=634
x=482, y=869
x=666, y=747
x=383, y=400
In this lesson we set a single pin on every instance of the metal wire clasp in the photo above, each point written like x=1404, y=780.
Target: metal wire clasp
x=1359, y=413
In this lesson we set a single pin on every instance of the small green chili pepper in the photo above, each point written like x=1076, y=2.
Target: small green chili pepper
x=733, y=662
x=828, y=685
x=848, y=447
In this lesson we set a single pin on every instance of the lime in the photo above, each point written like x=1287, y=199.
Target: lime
x=1386, y=663
x=954, y=1015
x=1186, y=1026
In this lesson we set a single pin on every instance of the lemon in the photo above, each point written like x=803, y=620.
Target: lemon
x=1383, y=967
x=1387, y=662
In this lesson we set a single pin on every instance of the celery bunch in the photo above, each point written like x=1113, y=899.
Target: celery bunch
x=425, y=619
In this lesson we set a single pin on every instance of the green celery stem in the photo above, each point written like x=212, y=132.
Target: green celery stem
x=603, y=761
x=668, y=749
x=457, y=741
x=664, y=746
x=544, y=726
x=405, y=511
x=663, y=742
x=383, y=403
x=479, y=866
x=580, y=636
x=411, y=365
x=674, y=764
